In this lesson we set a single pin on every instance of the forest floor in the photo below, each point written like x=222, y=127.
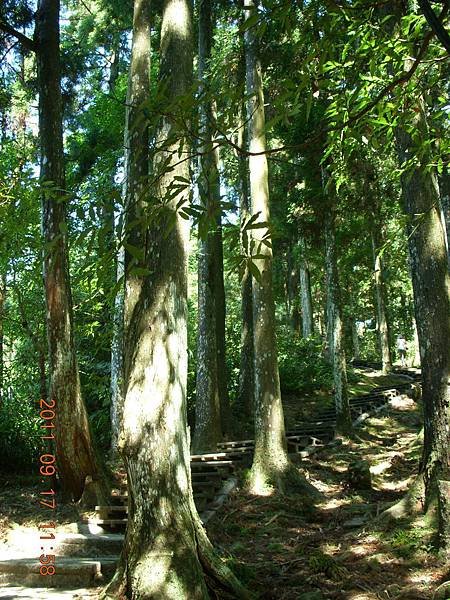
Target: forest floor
x=284, y=549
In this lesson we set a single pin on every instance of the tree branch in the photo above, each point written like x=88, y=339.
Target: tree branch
x=23, y=39
x=435, y=23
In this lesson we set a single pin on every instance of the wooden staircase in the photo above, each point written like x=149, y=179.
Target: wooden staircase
x=210, y=471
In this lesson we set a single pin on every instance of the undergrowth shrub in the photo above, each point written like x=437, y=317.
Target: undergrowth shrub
x=20, y=434
x=303, y=368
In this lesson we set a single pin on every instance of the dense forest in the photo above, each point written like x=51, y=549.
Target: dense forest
x=224, y=288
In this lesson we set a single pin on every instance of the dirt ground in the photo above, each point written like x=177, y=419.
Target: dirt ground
x=283, y=548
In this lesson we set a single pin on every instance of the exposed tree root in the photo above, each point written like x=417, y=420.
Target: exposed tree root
x=411, y=504
x=214, y=567
x=264, y=481
x=116, y=589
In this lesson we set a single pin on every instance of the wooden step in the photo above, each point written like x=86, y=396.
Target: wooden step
x=214, y=457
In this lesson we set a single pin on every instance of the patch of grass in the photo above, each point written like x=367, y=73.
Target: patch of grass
x=319, y=562
x=407, y=542
x=275, y=547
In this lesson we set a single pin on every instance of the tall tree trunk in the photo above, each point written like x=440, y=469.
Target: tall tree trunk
x=74, y=448
x=246, y=365
x=431, y=287
x=116, y=384
x=220, y=303
x=334, y=322
x=166, y=550
x=117, y=375
x=271, y=466
x=380, y=297
x=355, y=340
x=444, y=185
x=305, y=290
x=292, y=291
x=208, y=423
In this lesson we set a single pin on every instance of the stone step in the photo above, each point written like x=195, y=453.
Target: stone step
x=71, y=572
x=88, y=544
x=12, y=592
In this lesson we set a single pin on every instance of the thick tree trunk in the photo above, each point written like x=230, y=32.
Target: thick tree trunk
x=208, y=419
x=431, y=287
x=75, y=454
x=270, y=459
x=166, y=550
x=334, y=323
x=271, y=466
x=380, y=297
x=305, y=290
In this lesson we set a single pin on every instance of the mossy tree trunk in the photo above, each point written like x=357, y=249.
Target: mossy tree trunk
x=166, y=552
x=208, y=419
x=271, y=466
x=431, y=288
x=76, y=458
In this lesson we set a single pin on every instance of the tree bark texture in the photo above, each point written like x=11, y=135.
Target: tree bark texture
x=116, y=384
x=305, y=290
x=444, y=184
x=292, y=284
x=166, y=549
x=208, y=419
x=246, y=391
x=334, y=322
x=270, y=461
x=74, y=447
x=355, y=339
x=431, y=288
x=380, y=296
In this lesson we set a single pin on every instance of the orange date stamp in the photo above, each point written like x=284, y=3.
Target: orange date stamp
x=47, y=469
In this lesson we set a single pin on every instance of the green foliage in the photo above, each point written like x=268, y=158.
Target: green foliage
x=319, y=562
x=20, y=432
x=303, y=368
x=406, y=542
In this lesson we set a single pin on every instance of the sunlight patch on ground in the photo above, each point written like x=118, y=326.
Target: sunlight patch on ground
x=421, y=578
x=396, y=485
x=335, y=503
